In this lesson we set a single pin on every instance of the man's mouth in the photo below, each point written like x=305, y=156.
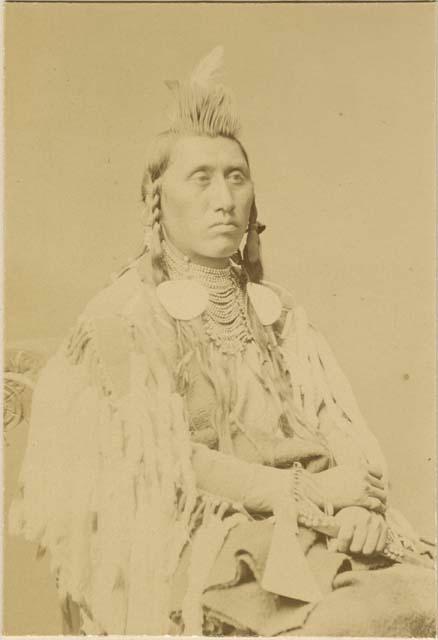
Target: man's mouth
x=224, y=225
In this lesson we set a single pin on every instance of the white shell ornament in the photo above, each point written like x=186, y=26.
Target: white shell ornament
x=266, y=303
x=182, y=299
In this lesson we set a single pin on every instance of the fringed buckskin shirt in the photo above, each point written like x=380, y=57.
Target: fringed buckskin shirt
x=139, y=425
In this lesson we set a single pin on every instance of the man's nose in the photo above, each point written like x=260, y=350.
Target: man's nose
x=222, y=196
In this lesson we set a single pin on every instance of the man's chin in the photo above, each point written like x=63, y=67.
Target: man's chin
x=215, y=258
x=222, y=249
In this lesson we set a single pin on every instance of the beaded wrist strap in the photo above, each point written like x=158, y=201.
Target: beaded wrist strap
x=309, y=514
x=394, y=546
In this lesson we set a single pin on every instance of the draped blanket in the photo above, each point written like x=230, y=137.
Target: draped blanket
x=107, y=485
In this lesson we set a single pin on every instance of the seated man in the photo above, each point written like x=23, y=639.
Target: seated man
x=196, y=461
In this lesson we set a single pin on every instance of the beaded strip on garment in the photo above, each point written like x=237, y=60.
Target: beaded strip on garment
x=225, y=318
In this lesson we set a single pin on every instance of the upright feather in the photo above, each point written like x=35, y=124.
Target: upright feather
x=202, y=105
x=208, y=68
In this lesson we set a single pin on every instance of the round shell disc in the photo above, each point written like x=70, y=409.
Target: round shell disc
x=182, y=299
x=266, y=303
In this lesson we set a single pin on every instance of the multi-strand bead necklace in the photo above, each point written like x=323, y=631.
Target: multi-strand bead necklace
x=225, y=317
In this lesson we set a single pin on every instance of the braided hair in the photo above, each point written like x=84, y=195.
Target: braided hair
x=159, y=157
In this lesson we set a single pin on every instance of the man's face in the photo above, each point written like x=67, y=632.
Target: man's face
x=206, y=198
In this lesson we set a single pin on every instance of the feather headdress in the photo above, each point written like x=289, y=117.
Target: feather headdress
x=201, y=105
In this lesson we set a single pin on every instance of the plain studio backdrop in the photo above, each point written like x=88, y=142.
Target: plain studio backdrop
x=337, y=104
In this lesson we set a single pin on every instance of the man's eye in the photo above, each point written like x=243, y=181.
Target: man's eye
x=236, y=177
x=201, y=177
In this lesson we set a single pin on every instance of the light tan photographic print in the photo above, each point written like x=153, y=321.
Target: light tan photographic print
x=219, y=319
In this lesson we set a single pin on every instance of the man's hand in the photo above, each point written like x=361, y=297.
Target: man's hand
x=346, y=486
x=360, y=531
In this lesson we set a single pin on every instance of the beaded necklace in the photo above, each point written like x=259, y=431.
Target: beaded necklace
x=225, y=317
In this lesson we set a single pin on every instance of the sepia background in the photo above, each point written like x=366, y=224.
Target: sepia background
x=337, y=103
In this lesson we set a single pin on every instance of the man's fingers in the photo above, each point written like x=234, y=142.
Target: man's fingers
x=377, y=493
x=198, y=510
x=374, y=504
x=382, y=538
x=345, y=536
x=375, y=482
x=360, y=535
x=208, y=510
x=372, y=538
x=214, y=507
x=375, y=471
x=223, y=508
